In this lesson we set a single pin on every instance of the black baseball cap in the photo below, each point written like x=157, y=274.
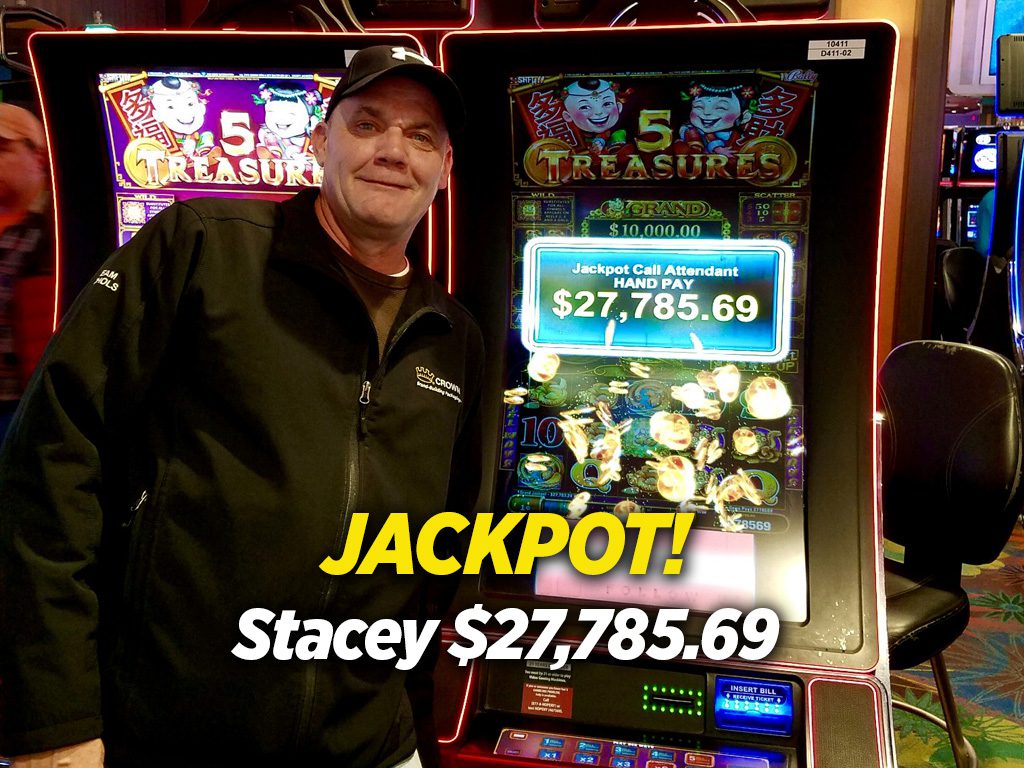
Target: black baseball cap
x=369, y=64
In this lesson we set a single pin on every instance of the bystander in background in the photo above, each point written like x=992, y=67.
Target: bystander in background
x=26, y=254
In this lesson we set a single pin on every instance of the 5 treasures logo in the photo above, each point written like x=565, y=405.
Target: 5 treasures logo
x=744, y=126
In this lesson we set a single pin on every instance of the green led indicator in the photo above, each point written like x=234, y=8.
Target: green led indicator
x=645, y=707
x=700, y=693
x=664, y=689
x=673, y=690
x=689, y=693
x=645, y=697
x=672, y=710
x=662, y=709
x=689, y=711
x=646, y=687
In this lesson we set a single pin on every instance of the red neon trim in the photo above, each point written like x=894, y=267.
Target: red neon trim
x=810, y=717
x=53, y=190
x=979, y=184
x=450, y=213
x=653, y=27
x=879, y=586
x=165, y=33
x=465, y=706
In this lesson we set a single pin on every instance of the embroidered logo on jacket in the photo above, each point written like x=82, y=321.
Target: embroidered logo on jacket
x=108, y=279
x=426, y=379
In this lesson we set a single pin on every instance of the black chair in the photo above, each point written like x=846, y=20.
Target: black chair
x=962, y=272
x=951, y=468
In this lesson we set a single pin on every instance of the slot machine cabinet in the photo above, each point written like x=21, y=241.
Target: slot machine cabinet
x=976, y=175
x=540, y=197
x=115, y=165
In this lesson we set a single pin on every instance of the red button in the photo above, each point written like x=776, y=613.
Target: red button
x=705, y=761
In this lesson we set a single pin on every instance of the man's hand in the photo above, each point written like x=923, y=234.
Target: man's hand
x=88, y=754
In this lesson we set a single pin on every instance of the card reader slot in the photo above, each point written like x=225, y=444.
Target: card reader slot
x=672, y=700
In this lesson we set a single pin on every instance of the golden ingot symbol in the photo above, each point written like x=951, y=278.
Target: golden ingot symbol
x=538, y=162
x=745, y=441
x=625, y=507
x=578, y=505
x=640, y=370
x=676, y=479
x=543, y=366
x=678, y=485
x=576, y=439
x=767, y=398
x=671, y=430
x=727, y=381
x=138, y=169
x=691, y=395
x=779, y=147
x=607, y=447
x=706, y=380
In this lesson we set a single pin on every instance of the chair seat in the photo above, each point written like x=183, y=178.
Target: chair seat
x=924, y=618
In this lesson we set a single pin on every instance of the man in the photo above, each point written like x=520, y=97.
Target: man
x=198, y=437
x=26, y=249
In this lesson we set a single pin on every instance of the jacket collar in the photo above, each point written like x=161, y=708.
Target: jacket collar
x=301, y=240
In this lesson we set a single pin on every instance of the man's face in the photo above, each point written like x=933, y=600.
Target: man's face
x=22, y=173
x=286, y=118
x=593, y=112
x=716, y=113
x=181, y=112
x=385, y=153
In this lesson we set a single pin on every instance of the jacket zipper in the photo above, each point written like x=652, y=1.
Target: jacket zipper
x=350, y=499
x=134, y=508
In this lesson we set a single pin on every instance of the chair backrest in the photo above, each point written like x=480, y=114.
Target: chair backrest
x=962, y=271
x=951, y=451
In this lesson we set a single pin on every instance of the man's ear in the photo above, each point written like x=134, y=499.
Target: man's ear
x=446, y=165
x=318, y=142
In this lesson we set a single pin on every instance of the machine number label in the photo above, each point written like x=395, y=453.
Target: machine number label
x=818, y=50
x=627, y=633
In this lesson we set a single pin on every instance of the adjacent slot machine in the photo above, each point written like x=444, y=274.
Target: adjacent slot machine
x=670, y=238
x=143, y=119
x=976, y=175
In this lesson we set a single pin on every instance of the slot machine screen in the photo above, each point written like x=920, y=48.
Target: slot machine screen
x=978, y=157
x=971, y=228
x=671, y=321
x=650, y=270
x=182, y=134
x=144, y=119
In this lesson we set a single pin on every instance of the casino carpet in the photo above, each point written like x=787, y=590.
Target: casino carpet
x=986, y=667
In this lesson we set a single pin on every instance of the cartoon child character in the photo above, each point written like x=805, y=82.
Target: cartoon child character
x=716, y=114
x=595, y=107
x=181, y=106
x=291, y=112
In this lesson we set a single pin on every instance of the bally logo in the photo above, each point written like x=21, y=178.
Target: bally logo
x=426, y=379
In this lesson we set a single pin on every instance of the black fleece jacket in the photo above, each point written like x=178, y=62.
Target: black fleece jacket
x=192, y=445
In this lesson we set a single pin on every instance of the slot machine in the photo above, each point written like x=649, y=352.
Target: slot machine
x=143, y=119
x=976, y=175
x=670, y=238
